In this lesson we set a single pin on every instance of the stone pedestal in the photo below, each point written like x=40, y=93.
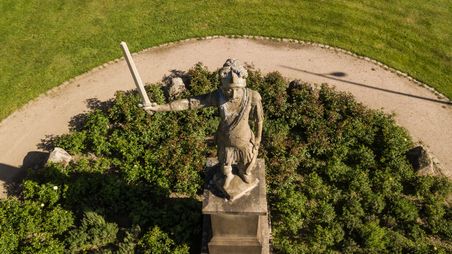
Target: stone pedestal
x=237, y=226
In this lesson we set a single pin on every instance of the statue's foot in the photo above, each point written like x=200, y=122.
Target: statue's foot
x=245, y=177
x=227, y=180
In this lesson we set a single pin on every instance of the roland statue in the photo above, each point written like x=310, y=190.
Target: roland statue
x=237, y=144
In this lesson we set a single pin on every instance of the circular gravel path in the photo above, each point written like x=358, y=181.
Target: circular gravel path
x=427, y=118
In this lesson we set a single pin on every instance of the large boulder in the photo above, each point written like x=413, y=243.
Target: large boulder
x=176, y=86
x=59, y=155
x=422, y=161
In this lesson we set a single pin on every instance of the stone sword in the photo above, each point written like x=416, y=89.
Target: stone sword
x=135, y=75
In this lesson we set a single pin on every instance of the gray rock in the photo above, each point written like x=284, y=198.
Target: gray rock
x=176, y=87
x=59, y=155
x=421, y=161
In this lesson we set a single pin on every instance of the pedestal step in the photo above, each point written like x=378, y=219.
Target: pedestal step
x=234, y=245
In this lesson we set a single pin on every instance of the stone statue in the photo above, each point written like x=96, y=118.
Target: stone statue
x=237, y=144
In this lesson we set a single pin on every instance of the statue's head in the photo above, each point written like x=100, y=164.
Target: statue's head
x=233, y=78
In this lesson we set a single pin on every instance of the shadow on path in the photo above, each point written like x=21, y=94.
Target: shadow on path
x=76, y=122
x=8, y=172
x=341, y=74
x=12, y=175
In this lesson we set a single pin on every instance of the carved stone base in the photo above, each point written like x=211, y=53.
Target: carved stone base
x=240, y=225
x=237, y=188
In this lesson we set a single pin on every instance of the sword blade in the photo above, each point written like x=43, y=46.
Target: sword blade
x=135, y=74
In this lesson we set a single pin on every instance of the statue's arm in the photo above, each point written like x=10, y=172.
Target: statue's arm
x=178, y=105
x=195, y=102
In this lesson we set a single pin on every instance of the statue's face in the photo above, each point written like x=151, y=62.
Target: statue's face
x=232, y=86
x=232, y=93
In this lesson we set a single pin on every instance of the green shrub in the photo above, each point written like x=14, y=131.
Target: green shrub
x=157, y=242
x=32, y=227
x=374, y=237
x=93, y=233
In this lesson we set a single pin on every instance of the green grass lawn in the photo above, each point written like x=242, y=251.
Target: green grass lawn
x=46, y=42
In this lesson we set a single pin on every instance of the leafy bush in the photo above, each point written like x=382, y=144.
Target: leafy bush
x=32, y=227
x=157, y=242
x=93, y=233
x=338, y=179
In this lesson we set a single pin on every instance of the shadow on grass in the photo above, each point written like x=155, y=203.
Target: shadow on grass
x=341, y=74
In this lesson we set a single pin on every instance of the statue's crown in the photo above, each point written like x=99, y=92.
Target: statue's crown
x=235, y=66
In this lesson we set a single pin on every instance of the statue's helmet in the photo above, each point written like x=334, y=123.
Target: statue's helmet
x=233, y=74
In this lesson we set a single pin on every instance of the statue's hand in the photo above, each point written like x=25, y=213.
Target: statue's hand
x=150, y=108
x=256, y=144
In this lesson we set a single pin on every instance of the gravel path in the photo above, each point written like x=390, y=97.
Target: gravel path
x=427, y=118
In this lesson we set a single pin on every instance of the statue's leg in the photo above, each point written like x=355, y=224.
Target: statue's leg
x=244, y=175
x=245, y=164
x=227, y=166
x=227, y=172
